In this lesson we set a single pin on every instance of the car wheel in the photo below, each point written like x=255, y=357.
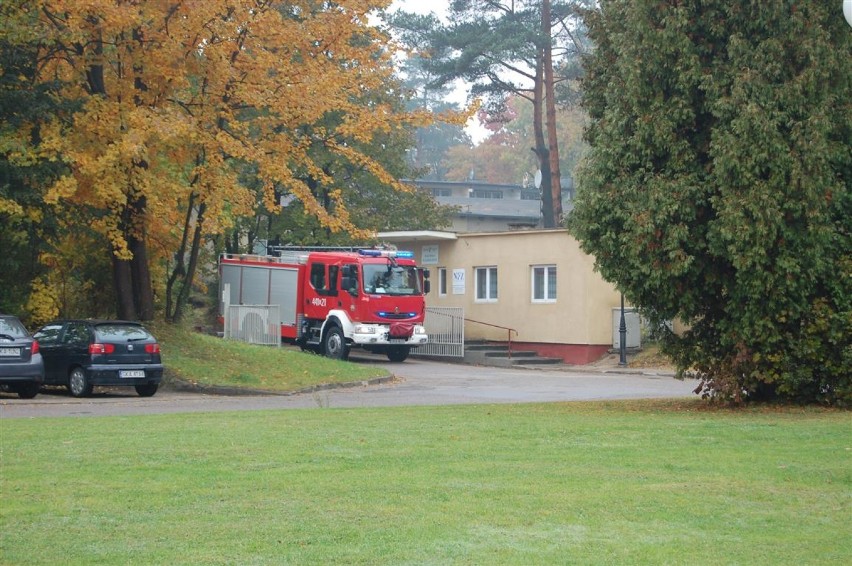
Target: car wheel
x=78, y=384
x=398, y=353
x=335, y=344
x=28, y=390
x=147, y=389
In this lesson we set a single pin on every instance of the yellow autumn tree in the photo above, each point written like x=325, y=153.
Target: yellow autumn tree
x=178, y=98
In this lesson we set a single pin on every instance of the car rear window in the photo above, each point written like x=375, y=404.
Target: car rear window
x=128, y=332
x=13, y=327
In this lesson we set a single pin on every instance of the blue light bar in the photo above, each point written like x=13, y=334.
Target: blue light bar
x=387, y=253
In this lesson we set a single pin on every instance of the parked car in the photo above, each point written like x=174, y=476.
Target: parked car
x=21, y=364
x=83, y=353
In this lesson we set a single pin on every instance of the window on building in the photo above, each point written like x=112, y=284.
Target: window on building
x=442, y=281
x=544, y=283
x=483, y=193
x=442, y=192
x=486, y=284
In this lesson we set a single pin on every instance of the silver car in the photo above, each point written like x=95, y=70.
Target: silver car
x=21, y=364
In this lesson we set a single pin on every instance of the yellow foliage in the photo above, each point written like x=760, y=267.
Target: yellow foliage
x=43, y=302
x=62, y=189
x=174, y=94
x=10, y=207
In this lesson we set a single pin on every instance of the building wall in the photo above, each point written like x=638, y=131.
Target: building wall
x=463, y=224
x=576, y=326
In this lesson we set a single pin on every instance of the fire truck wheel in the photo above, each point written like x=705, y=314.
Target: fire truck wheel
x=335, y=345
x=398, y=353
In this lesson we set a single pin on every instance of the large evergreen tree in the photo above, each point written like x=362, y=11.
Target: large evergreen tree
x=717, y=187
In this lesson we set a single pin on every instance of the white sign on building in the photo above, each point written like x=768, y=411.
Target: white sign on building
x=458, y=281
x=429, y=255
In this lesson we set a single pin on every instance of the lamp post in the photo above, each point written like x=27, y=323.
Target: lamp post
x=622, y=337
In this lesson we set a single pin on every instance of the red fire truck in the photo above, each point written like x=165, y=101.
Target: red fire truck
x=331, y=301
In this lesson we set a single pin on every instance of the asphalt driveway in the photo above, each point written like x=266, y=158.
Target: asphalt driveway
x=415, y=382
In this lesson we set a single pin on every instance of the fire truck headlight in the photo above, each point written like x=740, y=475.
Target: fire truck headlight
x=419, y=329
x=365, y=329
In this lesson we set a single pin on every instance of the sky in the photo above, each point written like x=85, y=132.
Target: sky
x=459, y=95
x=421, y=6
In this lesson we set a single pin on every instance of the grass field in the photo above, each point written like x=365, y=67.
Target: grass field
x=207, y=360
x=652, y=482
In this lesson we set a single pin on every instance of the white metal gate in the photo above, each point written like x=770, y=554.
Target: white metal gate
x=254, y=324
x=445, y=328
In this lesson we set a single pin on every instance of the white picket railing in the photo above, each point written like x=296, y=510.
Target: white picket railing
x=445, y=328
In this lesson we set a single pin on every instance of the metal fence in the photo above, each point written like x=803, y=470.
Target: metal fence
x=254, y=324
x=445, y=328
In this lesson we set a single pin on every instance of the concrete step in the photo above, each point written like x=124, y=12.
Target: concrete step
x=488, y=354
x=537, y=361
x=483, y=346
x=507, y=354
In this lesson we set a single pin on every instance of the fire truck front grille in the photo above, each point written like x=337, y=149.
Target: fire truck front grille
x=396, y=315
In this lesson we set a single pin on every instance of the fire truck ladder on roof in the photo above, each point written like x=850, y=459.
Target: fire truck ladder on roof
x=277, y=250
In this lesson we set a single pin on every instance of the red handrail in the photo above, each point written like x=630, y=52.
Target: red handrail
x=510, y=330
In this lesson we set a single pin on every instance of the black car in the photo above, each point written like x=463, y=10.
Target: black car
x=83, y=353
x=21, y=365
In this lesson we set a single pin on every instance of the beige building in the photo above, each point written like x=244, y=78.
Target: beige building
x=537, y=282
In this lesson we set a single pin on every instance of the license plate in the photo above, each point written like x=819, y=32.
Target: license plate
x=131, y=373
x=397, y=340
x=10, y=352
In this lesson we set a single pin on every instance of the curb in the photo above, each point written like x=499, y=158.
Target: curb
x=178, y=384
x=645, y=372
x=639, y=371
x=588, y=368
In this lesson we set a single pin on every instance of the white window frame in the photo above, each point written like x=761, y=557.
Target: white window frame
x=486, y=193
x=547, y=272
x=489, y=271
x=442, y=282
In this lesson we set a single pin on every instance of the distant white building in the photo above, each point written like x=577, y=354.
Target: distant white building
x=491, y=207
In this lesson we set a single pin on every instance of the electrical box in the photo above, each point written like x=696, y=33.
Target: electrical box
x=632, y=318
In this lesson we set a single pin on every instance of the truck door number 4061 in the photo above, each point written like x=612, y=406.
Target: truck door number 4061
x=318, y=302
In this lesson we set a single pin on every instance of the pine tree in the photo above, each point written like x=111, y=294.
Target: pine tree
x=717, y=186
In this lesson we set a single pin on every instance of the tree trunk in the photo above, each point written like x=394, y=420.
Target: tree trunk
x=143, y=291
x=123, y=280
x=132, y=277
x=179, y=269
x=540, y=149
x=555, y=186
x=195, y=249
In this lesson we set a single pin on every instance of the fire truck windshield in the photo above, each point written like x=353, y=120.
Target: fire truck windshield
x=382, y=279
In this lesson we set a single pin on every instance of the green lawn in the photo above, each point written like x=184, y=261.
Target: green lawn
x=652, y=482
x=206, y=360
